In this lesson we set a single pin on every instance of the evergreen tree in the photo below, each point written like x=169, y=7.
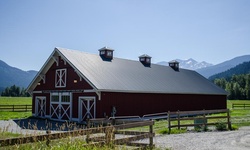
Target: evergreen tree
x=247, y=88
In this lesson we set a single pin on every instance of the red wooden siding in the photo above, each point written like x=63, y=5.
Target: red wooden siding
x=141, y=104
x=71, y=76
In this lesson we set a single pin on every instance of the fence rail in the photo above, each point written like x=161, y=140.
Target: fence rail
x=244, y=106
x=199, y=115
x=16, y=108
x=108, y=130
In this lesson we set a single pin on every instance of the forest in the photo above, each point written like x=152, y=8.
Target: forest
x=15, y=91
x=237, y=86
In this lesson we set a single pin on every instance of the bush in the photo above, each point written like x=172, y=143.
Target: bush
x=220, y=126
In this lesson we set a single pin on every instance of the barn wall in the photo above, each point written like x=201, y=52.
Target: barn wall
x=70, y=77
x=141, y=104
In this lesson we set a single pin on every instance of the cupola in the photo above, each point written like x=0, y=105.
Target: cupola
x=106, y=53
x=145, y=60
x=174, y=64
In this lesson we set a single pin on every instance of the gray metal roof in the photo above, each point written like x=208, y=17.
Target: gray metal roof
x=122, y=75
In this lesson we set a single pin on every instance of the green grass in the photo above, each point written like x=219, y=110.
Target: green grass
x=15, y=100
x=239, y=117
x=4, y=115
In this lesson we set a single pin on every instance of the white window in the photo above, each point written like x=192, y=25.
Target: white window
x=102, y=52
x=143, y=59
x=109, y=53
x=60, y=78
x=55, y=98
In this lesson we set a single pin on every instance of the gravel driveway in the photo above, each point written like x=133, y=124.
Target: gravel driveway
x=226, y=140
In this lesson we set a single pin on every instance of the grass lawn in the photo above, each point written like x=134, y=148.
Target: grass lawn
x=4, y=115
x=15, y=100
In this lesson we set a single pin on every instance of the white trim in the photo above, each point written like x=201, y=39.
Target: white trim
x=60, y=78
x=61, y=110
x=89, y=91
x=42, y=76
x=37, y=92
x=88, y=108
x=75, y=119
x=56, y=59
x=40, y=102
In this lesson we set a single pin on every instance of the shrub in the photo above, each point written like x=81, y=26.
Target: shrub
x=220, y=126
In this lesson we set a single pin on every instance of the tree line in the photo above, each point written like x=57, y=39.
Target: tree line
x=15, y=91
x=237, y=86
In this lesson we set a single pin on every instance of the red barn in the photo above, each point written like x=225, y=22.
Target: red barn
x=74, y=85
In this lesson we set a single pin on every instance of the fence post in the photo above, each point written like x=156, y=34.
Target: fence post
x=151, y=142
x=178, y=115
x=228, y=120
x=48, y=137
x=109, y=135
x=169, y=123
x=88, y=126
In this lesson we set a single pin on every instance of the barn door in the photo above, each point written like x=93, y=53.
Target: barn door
x=40, y=106
x=60, y=106
x=86, y=108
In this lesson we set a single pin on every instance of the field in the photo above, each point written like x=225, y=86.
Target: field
x=14, y=101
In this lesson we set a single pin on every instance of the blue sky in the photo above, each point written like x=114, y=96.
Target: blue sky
x=205, y=30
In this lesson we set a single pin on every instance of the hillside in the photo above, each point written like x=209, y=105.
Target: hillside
x=212, y=70
x=11, y=75
x=243, y=68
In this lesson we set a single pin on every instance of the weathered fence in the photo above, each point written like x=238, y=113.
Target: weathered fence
x=197, y=115
x=244, y=106
x=16, y=108
x=109, y=137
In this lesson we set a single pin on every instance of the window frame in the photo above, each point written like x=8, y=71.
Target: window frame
x=60, y=78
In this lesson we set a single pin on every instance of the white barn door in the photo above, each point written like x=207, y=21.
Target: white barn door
x=87, y=108
x=60, y=106
x=40, y=106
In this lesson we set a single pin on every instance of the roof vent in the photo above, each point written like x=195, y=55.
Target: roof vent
x=145, y=60
x=106, y=53
x=174, y=64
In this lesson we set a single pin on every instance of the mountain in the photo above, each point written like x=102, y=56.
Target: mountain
x=190, y=64
x=11, y=75
x=209, y=71
x=243, y=68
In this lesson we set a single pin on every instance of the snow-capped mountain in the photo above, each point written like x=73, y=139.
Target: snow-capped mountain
x=190, y=64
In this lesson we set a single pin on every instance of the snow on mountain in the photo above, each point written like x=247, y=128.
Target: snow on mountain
x=190, y=64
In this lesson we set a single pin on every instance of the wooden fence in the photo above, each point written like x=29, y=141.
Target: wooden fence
x=109, y=137
x=16, y=108
x=197, y=115
x=244, y=106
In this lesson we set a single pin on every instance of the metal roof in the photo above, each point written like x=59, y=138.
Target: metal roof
x=122, y=75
